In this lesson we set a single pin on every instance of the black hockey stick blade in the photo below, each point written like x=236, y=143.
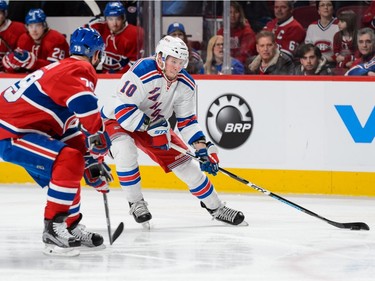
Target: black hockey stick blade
x=349, y=225
x=117, y=232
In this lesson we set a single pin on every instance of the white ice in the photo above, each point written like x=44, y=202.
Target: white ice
x=280, y=243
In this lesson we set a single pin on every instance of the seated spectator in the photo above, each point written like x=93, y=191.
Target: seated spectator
x=312, y=61
x=321, y=32
x=242, y=37
x=38, y=47
x=289, y=33
x=257, y=13
x=365, y=43
x=270, y=60
x=124, y=41
x=195, y=61
x=10, y=31
x=345, y=40
x=215, y=58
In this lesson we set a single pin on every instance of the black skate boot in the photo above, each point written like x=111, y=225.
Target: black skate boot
x=57, y=238
x=87, y=238
x=226, y=214
x=140, y=212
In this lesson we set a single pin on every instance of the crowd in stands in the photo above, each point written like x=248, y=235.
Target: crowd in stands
x=265, y=39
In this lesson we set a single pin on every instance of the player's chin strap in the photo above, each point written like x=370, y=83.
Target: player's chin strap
x=349, y=225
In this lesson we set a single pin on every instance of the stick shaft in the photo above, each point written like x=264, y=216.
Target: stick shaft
x=107, y=217
x=354, y=225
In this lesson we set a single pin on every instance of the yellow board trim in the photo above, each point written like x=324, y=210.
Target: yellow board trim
x=277, y=181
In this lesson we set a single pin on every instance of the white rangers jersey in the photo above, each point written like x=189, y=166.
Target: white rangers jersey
x=144, y=91
x=322, y=37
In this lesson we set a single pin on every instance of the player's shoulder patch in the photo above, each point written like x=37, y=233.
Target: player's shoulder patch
x=146, y=70
x=185, y=78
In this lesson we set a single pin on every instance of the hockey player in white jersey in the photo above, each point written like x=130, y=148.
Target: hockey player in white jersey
x=146, y=97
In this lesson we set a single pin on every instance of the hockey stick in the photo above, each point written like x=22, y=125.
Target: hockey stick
x=119, y=229
x=349, y=225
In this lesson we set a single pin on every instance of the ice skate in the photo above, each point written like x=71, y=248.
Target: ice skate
x=58, y=241
x=87, y=238
x=141, y=213
x=226, y=215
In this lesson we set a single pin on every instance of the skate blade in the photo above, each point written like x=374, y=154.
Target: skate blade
x=53, y=250
x=86, y=249
x=146, y=225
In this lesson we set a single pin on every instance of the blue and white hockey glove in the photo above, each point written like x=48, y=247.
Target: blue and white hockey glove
x=98, y=143
x=160, y=133
x=97, y=173
x=209, y=159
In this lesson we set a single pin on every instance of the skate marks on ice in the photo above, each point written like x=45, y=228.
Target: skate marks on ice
x=184, y=243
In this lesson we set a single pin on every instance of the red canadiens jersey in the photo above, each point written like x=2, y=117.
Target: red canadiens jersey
x=242, y=42
x=122, y=49
x=51, y=100
x=52, y=48
x=10, y=31
x=288, y=35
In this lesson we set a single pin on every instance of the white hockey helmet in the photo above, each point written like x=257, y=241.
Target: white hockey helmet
x=173, y=46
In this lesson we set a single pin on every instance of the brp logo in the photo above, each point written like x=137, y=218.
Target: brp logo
x=229, y=121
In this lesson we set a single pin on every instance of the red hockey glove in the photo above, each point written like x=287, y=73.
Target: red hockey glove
x=99, y=143
x=19, y=59
x=97, y=173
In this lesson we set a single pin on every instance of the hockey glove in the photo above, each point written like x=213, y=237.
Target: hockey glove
x=19, y=59
x=209, y=159
x=160, y=133
x=97, y=173
x=98, y=143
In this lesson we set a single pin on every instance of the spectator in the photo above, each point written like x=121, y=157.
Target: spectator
x=321, y=32
x=10, y=31
x=38, y=47
x=345, y=40
x=368, y=18
x=257, y=13
x=215, y=57
x=124, y=41
x=289, y=33
x=311, y=61
x=365, y=43
x=195, y=61
x=270, y=60
x=242, y=37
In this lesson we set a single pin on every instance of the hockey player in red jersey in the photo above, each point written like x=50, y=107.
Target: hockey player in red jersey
x=10, y=31
x=146, y=98
x=124, y=41
x=39, y=131
x=38, y=47
x=289, y=33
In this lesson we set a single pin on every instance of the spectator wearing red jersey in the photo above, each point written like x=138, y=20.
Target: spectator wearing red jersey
x=123, y=41
x=242, y=37
x=10, y=31
x=289, y=33
x=38, y=47
x=321, y=32
x=345, y=40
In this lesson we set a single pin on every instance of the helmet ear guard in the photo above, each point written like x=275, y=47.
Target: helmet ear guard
x=174, y=47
